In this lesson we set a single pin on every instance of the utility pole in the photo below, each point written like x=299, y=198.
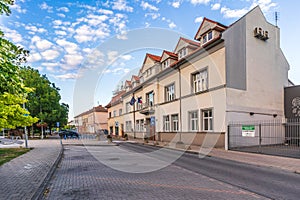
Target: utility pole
x=25, y=130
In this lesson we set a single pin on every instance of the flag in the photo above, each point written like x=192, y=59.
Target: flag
x=132, y=101
x=140, y=100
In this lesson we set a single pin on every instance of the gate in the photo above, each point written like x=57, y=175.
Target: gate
x=275, y=137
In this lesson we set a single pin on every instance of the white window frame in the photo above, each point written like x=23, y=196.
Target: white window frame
x=175, y=122
x=200, y=81
x=170, y=92
x=128, y=107
x=120, y=111
x=115, y=113
x=150, y=102
x=166, y=64
x=209, y=118
x=193, y=120
x=166, y=119
x=128, y=126
x=206, y=37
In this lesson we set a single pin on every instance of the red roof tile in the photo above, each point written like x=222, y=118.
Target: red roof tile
x=153, y=57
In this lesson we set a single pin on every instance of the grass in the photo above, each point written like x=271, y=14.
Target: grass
x=7, y=154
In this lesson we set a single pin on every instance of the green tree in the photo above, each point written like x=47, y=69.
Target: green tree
x=44, y=101
x=13, y=92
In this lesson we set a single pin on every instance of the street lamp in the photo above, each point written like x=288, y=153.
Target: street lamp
x=25, y=130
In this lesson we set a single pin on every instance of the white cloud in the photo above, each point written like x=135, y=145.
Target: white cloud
x=63, y=33
x=119, y=24
x=70, y=47
x=86, y=33
x=18, y=8
x=57, y=22
x=126, y=57
x=153, y=15
x=117, y=71
x=50, y=54
x=95, y=20
x=70, y=61
x=146, y=5
x=35, y=29
x=229, y=13
x=64, y=9
x=68, y=76
x=172, y=25
x=12, y=35
x=196, y=2
x=106, y=12
x=176, y=4
x=34, y=57
x=198, y=19
x=121, y=5
x=45, y=6
x=61, y=15
x=43, y=44
x=112, y=57
x=216, y=6
x=87, y=50
x=265, y=5
x=50, y=66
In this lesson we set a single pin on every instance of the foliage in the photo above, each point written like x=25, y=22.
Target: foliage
x=43, y=102
x=12, y=90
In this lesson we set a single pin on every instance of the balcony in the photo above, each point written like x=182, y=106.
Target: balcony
x=147, y=109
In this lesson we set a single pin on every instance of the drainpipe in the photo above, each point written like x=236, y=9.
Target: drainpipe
x=180, y=105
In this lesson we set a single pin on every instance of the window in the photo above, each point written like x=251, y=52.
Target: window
x=139, y=125
x=170, y=92
x=207, y=120
x=139, y=104
x=166, y=123
x=128, y=107
x=128, y=125
x=120, y=112
x=182, y=53
x=207, y=37
x=175, y=124
x=115, y=113
x=199, y=81
x=166, y=64
x=150, y=98
x=109, y=115
x=193, y=120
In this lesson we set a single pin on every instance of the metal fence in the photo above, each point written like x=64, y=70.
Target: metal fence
x=275, y=137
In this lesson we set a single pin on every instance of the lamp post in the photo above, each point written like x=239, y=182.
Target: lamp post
x=25, y=130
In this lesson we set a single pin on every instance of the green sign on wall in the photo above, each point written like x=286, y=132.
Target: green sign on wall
x=248, y=131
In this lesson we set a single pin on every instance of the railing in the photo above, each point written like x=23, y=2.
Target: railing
x=275, y=137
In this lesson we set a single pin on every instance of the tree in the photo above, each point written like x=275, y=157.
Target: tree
x=13, y=92
x=44, y=101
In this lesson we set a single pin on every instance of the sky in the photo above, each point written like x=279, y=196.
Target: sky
x=65, y=38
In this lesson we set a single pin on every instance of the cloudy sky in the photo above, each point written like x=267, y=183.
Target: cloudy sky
x=62, y=35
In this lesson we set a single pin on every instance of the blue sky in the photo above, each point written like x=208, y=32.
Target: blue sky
x=61, y=34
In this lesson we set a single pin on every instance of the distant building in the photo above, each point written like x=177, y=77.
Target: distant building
x=91, y=121
x=229, y=73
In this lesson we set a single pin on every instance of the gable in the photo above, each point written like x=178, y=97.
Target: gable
x=208, y=25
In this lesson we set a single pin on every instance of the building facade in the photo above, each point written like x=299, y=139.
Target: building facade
x=227, y=74
x=91, y=121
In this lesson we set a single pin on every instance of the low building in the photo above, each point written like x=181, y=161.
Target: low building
x=91, y=121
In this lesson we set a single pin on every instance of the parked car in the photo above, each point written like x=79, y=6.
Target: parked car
x=68, y=134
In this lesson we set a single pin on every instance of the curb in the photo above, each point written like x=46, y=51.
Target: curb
x=40, y=191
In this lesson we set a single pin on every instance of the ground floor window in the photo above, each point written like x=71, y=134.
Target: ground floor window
x=140, y=125
x=166, y=123
x=193, y=120
x=175, y=124
x=207, y=120
x=128, y=125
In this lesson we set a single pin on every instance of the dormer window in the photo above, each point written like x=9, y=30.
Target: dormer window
x=182, y=53
x=207, y=37
x=166, y=64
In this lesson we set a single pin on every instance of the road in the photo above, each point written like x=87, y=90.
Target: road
x=112, y=172
x=268, y=182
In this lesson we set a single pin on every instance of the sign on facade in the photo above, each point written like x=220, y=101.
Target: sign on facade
x=116, y=124
x=248, y=131
x=292, y=102
x=152, y=121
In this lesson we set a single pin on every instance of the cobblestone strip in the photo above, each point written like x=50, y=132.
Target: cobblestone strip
x=24, y=176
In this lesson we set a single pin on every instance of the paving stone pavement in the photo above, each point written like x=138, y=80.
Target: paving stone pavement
x=22, y=177
x=82, y=176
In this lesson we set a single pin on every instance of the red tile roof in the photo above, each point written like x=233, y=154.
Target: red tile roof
x=99, y=108
x=170, y=54
x=136, y=78
x=211, y=21
x=153, y=57
x=190, y=41
x=115, y=99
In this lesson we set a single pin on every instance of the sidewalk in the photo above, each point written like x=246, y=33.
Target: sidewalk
x=24, y=177
x=283, y=163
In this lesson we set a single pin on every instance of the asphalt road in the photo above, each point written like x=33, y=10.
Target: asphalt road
x=267, y=182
